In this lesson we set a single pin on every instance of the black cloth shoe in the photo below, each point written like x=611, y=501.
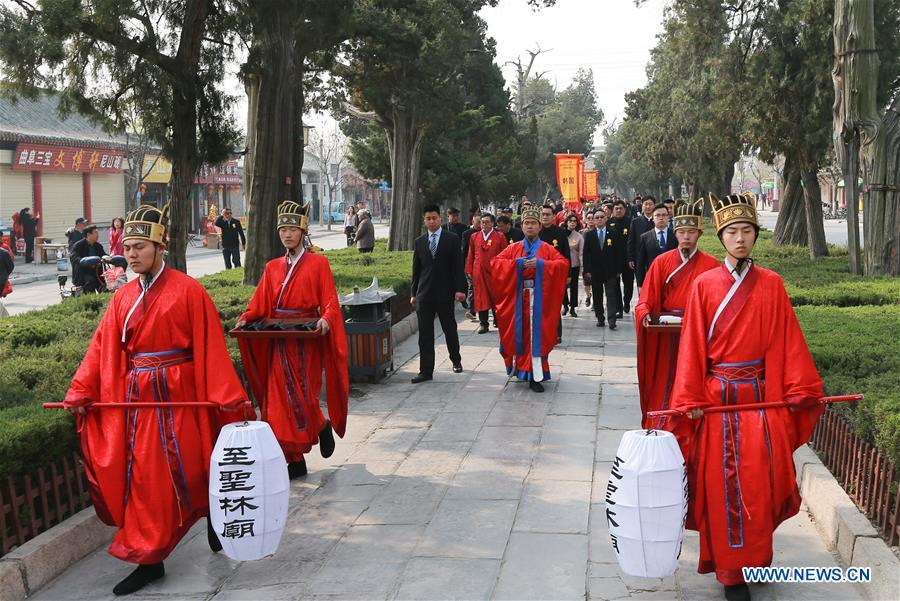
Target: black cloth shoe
x=214, y=543
x=619, y=315
x=565, y=311
x=421, y=378
x=483, y=329
x=457, y=368
x=737, y=592
x=612, y=325
x=600, y=323
x=536, y=386
x=572, y=312
x=326, y=440
x=139, y=578
x=296, y=469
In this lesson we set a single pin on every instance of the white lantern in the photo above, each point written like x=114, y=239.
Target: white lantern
x=249, y=490
x=646, y=503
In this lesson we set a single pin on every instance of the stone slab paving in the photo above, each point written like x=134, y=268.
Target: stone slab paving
x=467, y=487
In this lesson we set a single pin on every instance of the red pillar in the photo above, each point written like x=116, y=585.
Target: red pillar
x=37, y=199
x=86, y=196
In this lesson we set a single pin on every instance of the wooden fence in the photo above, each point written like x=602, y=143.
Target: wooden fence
x=866, y=473
x=33, y=503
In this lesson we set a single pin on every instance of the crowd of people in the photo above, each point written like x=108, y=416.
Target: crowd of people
x=732, y=340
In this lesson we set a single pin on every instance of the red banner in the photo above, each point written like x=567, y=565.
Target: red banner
x=591, y=185
x=43, y=157
x=577, y=199
x=568, y=176
x=223, y=173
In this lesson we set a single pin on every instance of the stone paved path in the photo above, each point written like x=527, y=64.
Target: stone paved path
x=467, y=487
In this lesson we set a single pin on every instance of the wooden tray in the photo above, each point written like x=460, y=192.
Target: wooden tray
x=280, y=328
x=655, y=326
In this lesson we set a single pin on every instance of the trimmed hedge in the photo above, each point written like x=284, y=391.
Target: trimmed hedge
x=41, y=350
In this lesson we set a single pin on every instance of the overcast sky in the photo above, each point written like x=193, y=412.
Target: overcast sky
x=612, y=37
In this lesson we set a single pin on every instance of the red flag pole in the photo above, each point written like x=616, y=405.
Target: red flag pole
x=139, y=405
x=755, y=406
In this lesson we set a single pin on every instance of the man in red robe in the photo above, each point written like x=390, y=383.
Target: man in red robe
x=483, y=247
x=285, y=375
x=741, y=343
x=665, y=292
x=529, y=280
x=160, y=340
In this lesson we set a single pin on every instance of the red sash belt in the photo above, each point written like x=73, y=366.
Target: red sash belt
x=738, y=372
x=159, y=360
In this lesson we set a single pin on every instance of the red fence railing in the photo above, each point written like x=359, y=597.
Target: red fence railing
x=868, y=475
x=33, y=503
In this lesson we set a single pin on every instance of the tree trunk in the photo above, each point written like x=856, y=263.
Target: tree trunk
x=815, y=221
x=272, y=159
x=791, y=225
x=856, y=121
x=185, y=163
x=850, y=169
x=405, y=145
x=882, y=201
x=251, y=86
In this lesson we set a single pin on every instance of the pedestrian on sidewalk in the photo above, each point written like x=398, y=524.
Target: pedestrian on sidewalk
x=529, y=279
x=350, y=222
x=603, y=252
x=483, y=247
x=474, y=226
x=160, y=340
x=654, y=242
x=576, y=253
x=588, y=228
x=365, y=233
x=453, y=223
x=7, y=264
x=285, y=375
x=621, y=222
x=437, y=280
x=640, y=224
x=116, y=231
x=29, y=231
x=741, y=343
x=74, y=234
x=233, y=239
x=666, y=289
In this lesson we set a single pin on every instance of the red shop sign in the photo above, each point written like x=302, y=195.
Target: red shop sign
x=42, y=157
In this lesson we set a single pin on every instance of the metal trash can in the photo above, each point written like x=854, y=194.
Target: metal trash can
x=370, y=348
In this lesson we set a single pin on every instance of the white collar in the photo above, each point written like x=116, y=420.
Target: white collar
x=436, y=233
x=658, y=230
x=486, y=234
x=144, y=290
x=689, y=257
x=292, y=259
x=155, y=277
x=731, y=269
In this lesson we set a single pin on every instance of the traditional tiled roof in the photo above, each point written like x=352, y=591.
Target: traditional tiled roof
x=38, y=121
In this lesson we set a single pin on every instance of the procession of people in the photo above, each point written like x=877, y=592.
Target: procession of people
x=160, y=344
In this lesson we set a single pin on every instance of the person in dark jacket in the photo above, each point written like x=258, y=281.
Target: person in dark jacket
x=437, y=279
x=86, y=247
x=505, y=227
x=475, y=226
x=77, y=233
x=639, y=225
x=232, y=238
x=29, y=231
x=365, y=233
x=453, y=223
x=621, y=223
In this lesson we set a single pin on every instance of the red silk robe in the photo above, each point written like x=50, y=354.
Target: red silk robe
x=741, y=343
x=528, y=306
x=285, y=376
x=666, y=289
x=148, y=469
x=478, y=265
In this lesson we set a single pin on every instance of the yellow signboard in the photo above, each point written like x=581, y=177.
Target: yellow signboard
x=157, y=170
x=568, y=176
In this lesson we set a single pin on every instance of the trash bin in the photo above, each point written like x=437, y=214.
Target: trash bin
x=370, y=348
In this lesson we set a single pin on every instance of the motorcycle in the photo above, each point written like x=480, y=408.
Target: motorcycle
x=101, y=274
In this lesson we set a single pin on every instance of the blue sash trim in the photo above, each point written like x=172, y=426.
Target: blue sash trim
x=537, y=318
x=517, y=319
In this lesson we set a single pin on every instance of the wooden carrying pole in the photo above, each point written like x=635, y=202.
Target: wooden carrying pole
x=755, y=406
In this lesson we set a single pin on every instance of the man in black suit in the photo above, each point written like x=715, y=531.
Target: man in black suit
x=474, y=226
x=655, y=242
x=437, y=279
x=453, y=223
x=604, y=252
x=232, y=238
x=640, y=224
x=621, y=223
